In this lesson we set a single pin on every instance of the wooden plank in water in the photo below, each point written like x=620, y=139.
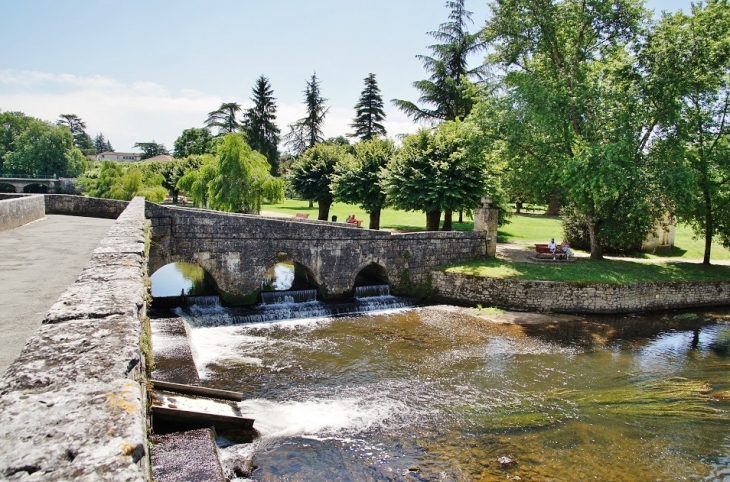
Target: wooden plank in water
x=196, y=390
x=200, y=418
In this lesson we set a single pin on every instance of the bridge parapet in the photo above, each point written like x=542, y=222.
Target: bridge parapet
x=73, y=404
x=238, y=249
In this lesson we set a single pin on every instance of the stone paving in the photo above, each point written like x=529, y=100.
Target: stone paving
x=39, y=261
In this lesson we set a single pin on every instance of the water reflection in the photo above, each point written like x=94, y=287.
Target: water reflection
x=178, y=278
x=439, y=393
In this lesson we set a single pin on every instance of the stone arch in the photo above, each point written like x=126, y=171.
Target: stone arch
x=302, y=272
x=370, y=273
x=188, y=276
x=35, y=188
x=7, y=187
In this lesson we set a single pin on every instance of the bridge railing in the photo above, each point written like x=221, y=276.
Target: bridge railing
x=28, y=176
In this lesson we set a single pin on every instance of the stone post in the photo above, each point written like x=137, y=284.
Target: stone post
x=486, y=219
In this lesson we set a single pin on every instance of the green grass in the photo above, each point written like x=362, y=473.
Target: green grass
x=390, y=219
x=522, y=228
x=586, y=271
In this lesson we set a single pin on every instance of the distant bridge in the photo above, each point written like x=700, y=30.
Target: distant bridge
x=21, y=182
x=237, y=250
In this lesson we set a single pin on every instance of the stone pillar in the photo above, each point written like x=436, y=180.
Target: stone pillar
x=485, y=220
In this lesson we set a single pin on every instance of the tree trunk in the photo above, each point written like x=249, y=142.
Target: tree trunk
x=461, y=216
x=175, y=192
x=433, y=218
x=709, y=227
x=448, y=217
x=518, y=207
x=311, y=204
x=554, y=206
x=375, y=219
x=596, y=248
x=324, y=210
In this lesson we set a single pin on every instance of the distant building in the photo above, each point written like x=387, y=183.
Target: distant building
x=119, y=156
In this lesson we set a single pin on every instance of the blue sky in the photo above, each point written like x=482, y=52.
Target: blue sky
x=145, y=70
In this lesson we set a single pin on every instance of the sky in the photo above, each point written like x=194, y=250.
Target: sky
x=145, y=70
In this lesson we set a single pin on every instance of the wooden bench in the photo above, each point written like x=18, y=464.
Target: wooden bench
x=301, y=215
x=542, y=251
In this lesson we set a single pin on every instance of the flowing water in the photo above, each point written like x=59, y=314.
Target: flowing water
x=441, y=393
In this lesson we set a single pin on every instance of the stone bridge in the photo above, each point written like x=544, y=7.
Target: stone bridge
x=237, y=250
x=19, y=184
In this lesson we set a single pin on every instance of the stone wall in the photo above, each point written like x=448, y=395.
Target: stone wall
x=20, y=210
x=238, y=249
x=73, y=404
x=553, y=296
x=92, y=207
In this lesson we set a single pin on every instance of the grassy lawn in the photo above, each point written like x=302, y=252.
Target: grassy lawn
x=390, y=219
x=530, y=229
x=533, y=228
x=583, y=270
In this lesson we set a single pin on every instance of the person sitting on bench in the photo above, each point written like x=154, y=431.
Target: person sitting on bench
x=552, y=246
x=566, y=249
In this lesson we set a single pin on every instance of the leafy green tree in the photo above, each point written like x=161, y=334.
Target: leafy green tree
x=357, y=179
x=151, y=149
x=224, y=118
x=448, y=93
x=312, y=174
x=443, y=170
x=118, y=181
x=43, y=148
x=11, y=125
x=194, y=141
x=259, y=123
x=369, y=113
x=101, y=144
x=573, y=82
x=694, y=138
x=307, y=132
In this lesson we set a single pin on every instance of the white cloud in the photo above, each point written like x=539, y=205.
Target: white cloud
x=143, y=111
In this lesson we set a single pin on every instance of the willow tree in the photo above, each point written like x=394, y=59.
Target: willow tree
x=242, y=180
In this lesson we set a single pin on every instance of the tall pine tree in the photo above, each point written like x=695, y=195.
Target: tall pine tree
x=307, y=132
x=369, y=113
x=448, y=94
x=259, y=123
x=101, y=144
x=224, y=118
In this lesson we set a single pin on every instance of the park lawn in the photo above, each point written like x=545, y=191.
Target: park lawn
x=390, y=219
x=587, y=271
x=521, y=228
x=531, y=229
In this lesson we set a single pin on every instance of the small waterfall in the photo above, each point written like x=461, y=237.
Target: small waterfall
x=373, y=290
x=207, y=301
x=281, y=297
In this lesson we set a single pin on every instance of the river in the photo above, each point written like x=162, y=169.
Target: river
x=447, y=393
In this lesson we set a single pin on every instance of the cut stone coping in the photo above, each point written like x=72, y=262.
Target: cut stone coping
x=73, y=404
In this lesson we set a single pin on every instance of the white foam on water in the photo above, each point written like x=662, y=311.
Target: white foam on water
x=216, y=344
x=310, y=418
